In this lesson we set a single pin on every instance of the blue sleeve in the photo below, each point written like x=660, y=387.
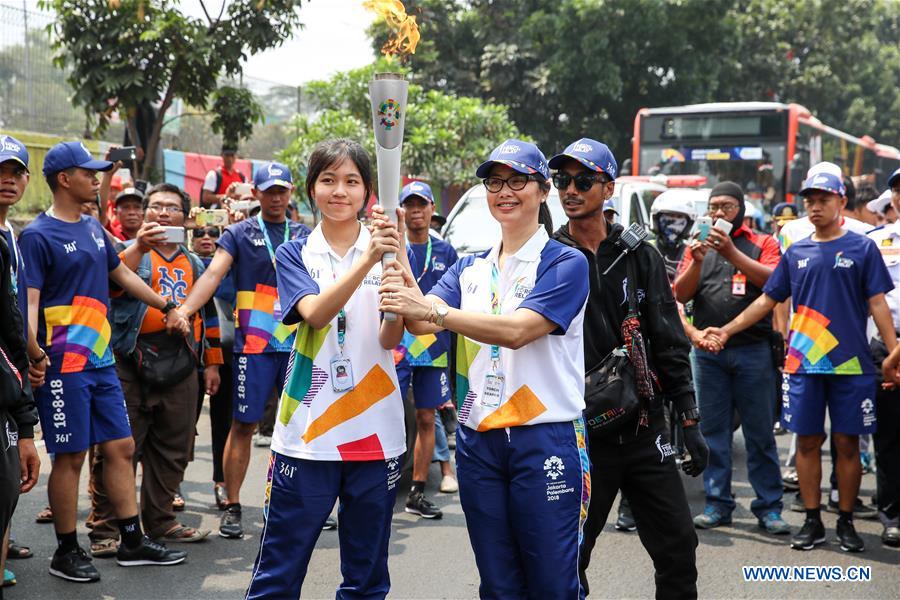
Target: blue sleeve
x=294, y=281
x=228, y=242
x=37, y=257
x=876, y=277
x=778, y=286
x=448, y=288
x=561, y=287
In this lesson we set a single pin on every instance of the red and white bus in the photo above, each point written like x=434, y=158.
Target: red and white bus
x=766, y=147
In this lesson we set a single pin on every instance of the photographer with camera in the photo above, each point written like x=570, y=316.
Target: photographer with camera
x=639, y=459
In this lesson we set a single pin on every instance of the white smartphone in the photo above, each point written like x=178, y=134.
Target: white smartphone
x=702, y=227
x=724, y=225
x=174, y=235
x=243, y=189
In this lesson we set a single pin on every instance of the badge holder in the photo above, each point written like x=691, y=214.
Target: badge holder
x=494, y=382
x=340, y=366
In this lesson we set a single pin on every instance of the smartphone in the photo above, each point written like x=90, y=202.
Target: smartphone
x=702, y=227
x=724, y=225
x=126, y=154
x=242, y=205
x=174, y=235
x=216, y=217
x=243, y=189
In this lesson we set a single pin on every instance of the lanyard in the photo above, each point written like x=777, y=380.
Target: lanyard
x=495, y=309
x=14, y=264
x=427, y=259
x=265, y=233
x=342, y=315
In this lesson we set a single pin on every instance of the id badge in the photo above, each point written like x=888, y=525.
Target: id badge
x=492, y=393
x=738, y=284
x=341, y=374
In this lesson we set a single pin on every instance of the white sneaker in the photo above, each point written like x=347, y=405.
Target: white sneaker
x=449, y=484
x=262, y=441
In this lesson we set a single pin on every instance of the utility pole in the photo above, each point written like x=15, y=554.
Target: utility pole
x=29, y=76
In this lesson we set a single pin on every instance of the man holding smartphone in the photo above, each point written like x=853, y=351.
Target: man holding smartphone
x=723, y=274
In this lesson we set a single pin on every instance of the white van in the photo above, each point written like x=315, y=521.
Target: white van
x=470, y=228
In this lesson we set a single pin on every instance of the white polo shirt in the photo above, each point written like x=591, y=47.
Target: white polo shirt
x=544, y=380
x=313, y=421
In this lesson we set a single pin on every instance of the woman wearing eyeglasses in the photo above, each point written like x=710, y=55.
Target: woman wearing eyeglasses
x=521, y=455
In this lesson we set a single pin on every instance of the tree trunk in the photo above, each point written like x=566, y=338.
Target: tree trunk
x=153, y=143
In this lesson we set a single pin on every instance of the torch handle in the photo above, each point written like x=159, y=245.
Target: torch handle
x=386, y=259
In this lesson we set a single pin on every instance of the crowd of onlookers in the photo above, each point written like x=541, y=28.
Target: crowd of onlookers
x=135, y=305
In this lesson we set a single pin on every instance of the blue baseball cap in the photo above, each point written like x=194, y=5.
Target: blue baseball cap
x=520, y=156
x=270, y=174
x=784, y=211
x=13, y=149
x=826, y=182
x=594, y=155
x=610, y=205
x=67, y=155
x=416, y=188
x=892, y=180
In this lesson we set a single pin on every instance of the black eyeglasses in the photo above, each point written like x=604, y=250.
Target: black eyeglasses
x=212, y=232
x=515, y=183
x=583, y=181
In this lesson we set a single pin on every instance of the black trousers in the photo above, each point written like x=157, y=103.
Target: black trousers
x=220, y=410
x=643, y=467
x=10, y=476
x=887, y=451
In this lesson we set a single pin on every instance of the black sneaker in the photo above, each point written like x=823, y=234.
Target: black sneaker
x=230, y=525
x=860, y=510
x=330, y=524
x=625, y=520
x=74, y=565
x=148, y=553
x=810, y=535
x=417, y=504
x=848, y=538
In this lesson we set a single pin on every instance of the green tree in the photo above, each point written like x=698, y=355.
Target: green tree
x=446, y=135
x=235, y=112
x=126, y=56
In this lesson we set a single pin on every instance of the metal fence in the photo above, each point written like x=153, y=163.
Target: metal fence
x=34, y=94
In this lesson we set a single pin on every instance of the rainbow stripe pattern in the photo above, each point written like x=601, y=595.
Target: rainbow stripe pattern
x=811, y=342
x=585, y=475
x=303, y=382
x=258, y=324
x=418, y=350
x=80, y=334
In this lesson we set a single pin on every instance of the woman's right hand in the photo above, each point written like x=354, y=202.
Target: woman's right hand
x=400, y=294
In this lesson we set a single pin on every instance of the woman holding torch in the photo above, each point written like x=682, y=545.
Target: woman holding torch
x=521, y=457
x=339, y=432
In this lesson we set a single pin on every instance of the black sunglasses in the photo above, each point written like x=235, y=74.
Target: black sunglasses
x=212, y=232
x=583, y=181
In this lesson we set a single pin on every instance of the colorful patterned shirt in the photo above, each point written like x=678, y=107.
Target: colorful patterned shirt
x=830, y=284
x=258, y=326
x=428, y=350
x=70, y=264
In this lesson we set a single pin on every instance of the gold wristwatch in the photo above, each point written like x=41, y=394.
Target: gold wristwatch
x=440, y=311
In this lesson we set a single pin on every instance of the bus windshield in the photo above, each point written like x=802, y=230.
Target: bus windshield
x=749, y=149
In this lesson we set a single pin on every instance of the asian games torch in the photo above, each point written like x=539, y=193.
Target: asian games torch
x=388, y=92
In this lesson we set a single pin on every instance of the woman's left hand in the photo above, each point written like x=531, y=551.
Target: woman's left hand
x=400, y=294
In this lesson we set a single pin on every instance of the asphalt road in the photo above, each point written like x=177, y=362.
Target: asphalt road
x=432, y=559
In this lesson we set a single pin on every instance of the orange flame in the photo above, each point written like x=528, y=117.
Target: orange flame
x=405, y=32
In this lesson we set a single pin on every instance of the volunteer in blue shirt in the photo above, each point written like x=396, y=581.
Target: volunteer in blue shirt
x=422, y=360
x=262, y=343
x=518, y=308
x=835, y=278
x=339, y=433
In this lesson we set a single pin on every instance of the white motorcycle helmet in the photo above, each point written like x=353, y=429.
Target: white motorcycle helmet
x=675, y=202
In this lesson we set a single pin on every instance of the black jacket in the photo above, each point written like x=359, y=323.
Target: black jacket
x=20, y=407
x=667, y=346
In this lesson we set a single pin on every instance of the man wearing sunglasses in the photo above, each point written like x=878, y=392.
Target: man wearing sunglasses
x=641, y=462
x=723, y=274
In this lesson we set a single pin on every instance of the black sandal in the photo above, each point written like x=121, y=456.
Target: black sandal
x=13, y=550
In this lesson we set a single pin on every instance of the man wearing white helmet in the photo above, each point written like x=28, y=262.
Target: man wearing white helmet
x=672, y=216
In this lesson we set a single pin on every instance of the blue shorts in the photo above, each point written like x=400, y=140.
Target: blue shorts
x=256, y=376
x=850, y=400
x=79, y=410
x=431, y=386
